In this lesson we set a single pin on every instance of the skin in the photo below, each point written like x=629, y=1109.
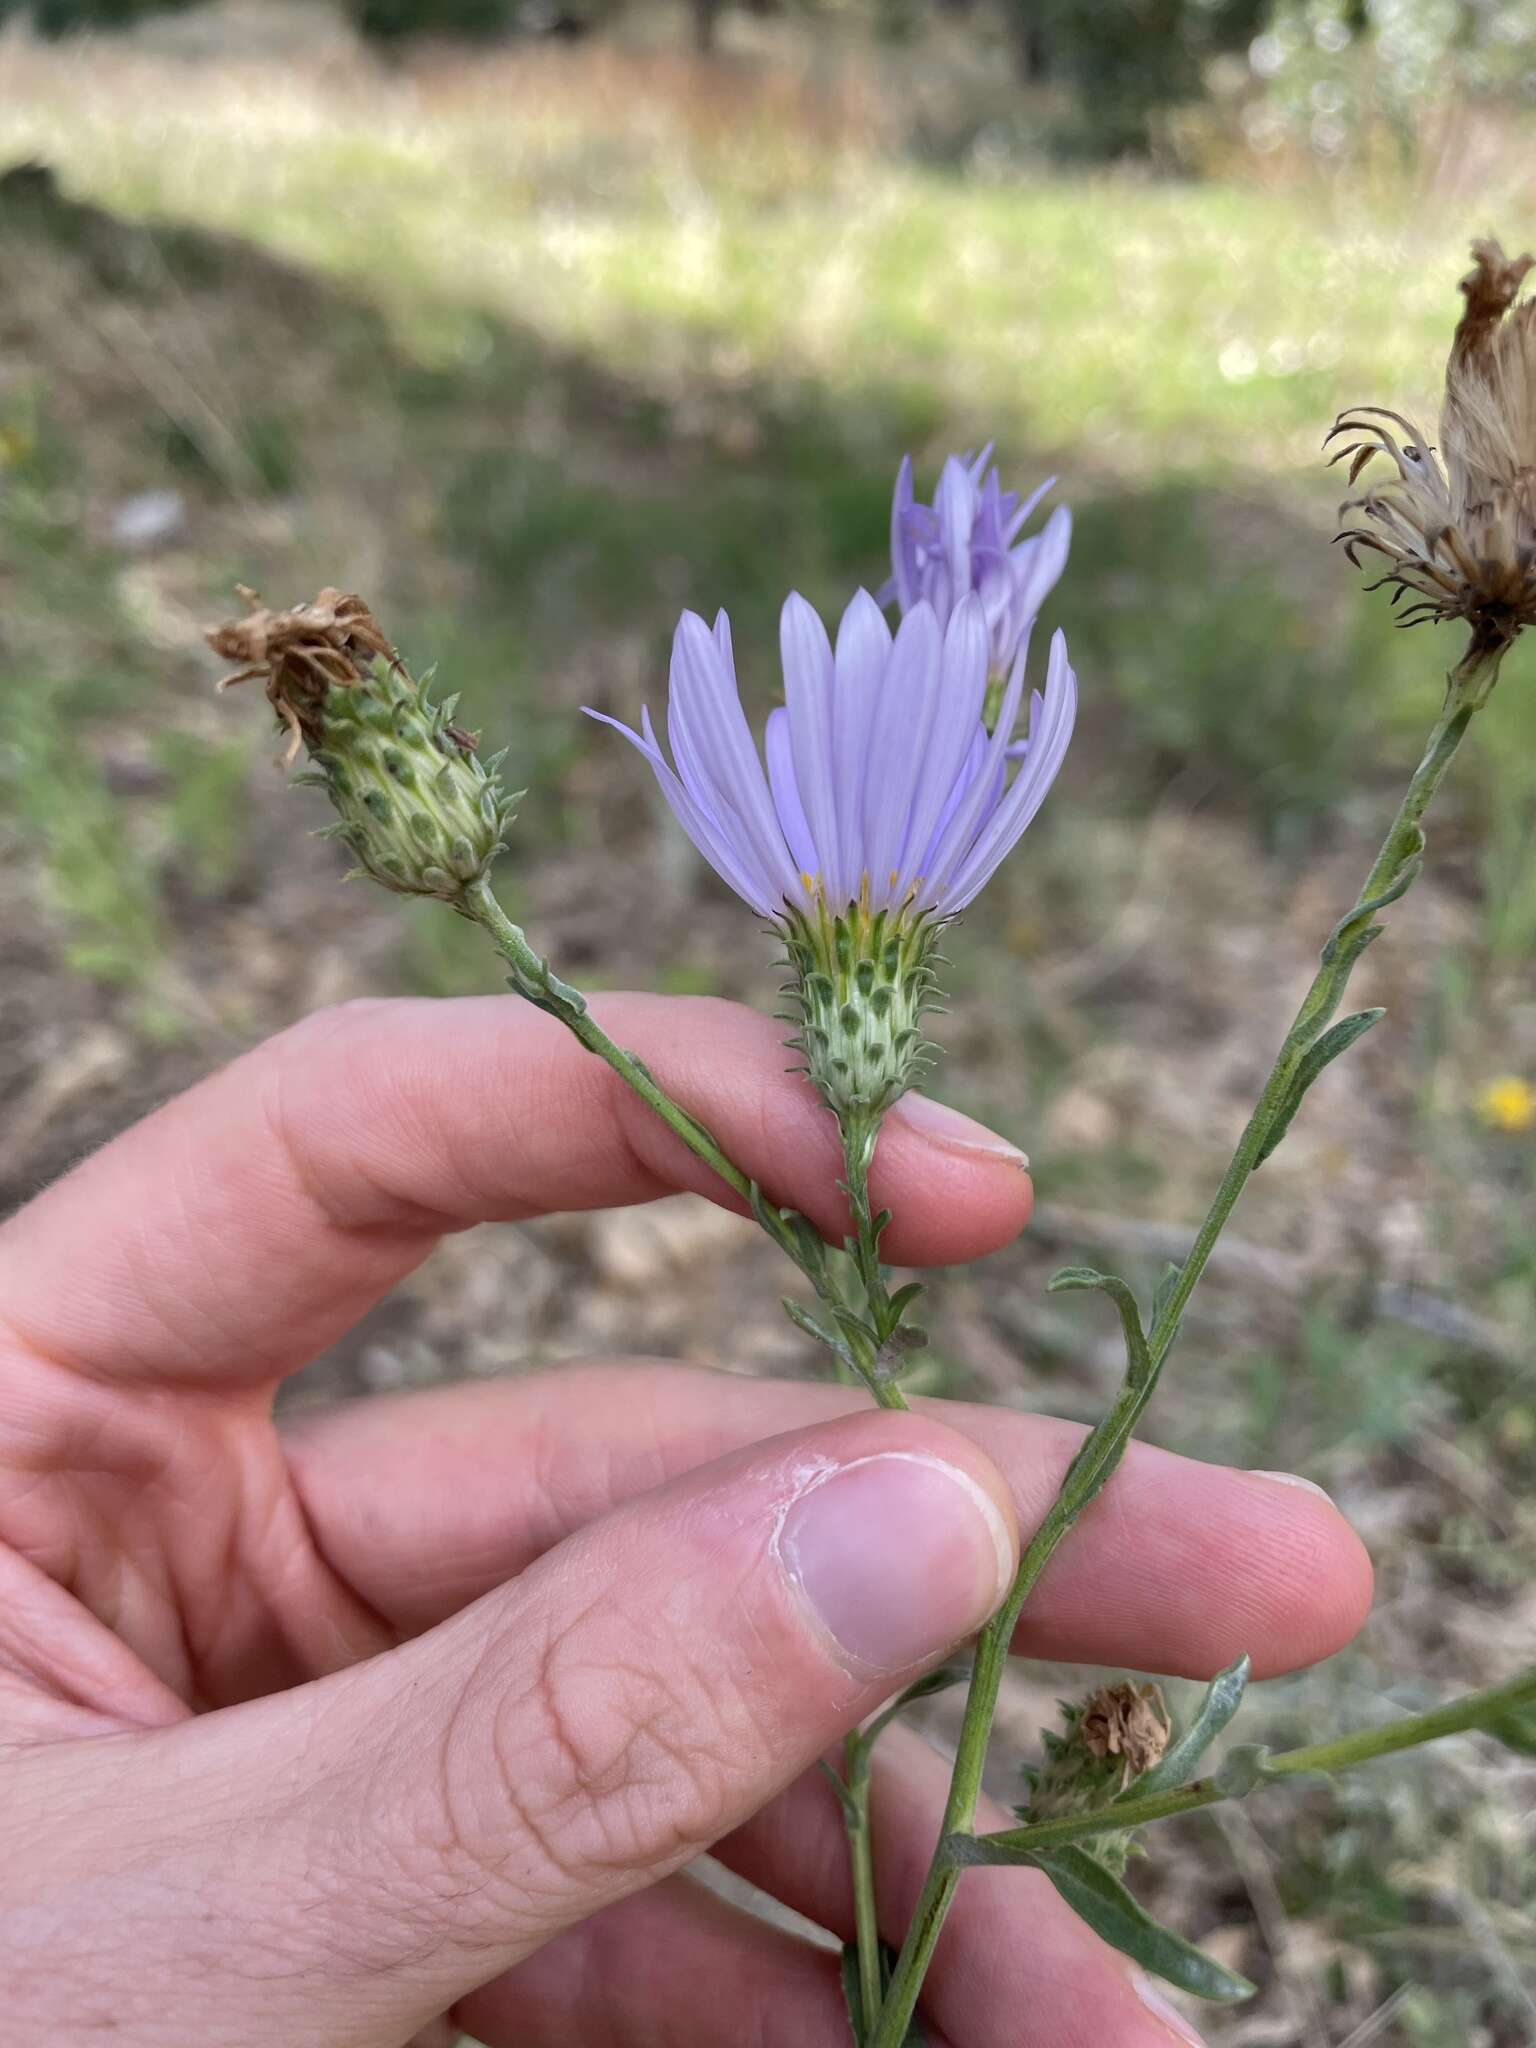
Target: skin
x=412, y=1715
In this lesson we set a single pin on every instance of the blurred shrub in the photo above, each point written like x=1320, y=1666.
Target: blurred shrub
x=59, y=17
x=1384, y=83
x=388, y=19
x=1126, y=64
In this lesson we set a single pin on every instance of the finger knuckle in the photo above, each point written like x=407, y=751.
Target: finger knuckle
x=611, y=1756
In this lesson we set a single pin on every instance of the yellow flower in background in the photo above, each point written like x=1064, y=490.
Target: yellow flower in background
x=1508, y=1104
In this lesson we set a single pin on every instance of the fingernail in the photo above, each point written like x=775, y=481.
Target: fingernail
x=1295, y=1479
x=941, y=1125
x=1170, y=2015
x=898, y=1557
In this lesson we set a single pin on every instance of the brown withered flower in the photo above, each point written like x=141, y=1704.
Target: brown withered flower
x=301, y=654
x=1129, y=1722
x=424, y=815
x=1458, y=529
x=1106, y=1742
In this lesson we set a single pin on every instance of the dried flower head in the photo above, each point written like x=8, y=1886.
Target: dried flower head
x=423, y=814
x=1458, y=530
x=1107, y=1741
x=1129, y=1722
x=302, y=654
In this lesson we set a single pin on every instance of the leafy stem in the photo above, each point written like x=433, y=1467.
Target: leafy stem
x=852, y=1340
x=1493, y=1710
x=1308, y=1046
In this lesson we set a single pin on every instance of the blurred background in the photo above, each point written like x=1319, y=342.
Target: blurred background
x=536, y=322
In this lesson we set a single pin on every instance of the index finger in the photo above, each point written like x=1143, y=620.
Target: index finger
x=250, y=1222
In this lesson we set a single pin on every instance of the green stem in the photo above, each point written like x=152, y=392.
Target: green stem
x=856, y=1770
x=1478, y=1710
x=533, y=979
x=1392, y=871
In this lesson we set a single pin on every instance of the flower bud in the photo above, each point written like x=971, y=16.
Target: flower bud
x=422, y=813
x=1109, y=1740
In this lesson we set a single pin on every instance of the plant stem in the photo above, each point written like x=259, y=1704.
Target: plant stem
x=1473, y=1711
x=534, y=980
x=856, y=1766
x=1392, y=871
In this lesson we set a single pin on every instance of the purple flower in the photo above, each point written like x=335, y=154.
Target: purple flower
x=883, y=790
x=967, y=541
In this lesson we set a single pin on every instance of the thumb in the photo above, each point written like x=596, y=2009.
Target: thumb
x=371, y=1846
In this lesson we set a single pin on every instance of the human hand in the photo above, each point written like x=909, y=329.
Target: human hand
x=414, y=1709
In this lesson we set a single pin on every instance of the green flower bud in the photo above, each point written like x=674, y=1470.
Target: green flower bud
x=1107, y=1742
x=420, y=810
x=862, y=984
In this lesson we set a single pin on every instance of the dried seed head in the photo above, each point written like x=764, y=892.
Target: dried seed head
x=1458, y=532
x=1110, y=1739
x=423, y=814
x=1126, y=1721
x=302, y=654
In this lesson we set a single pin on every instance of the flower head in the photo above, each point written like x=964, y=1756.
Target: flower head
x=885, y=807
x=967, y=542
x=1458, y=530
x=414, y=802
x=883, y=790
x=1508, y=1104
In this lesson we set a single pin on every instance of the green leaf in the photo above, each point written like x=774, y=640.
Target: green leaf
x=938, y=1681
x=904, y=1297
x=1099, y=1897
x=1071, y=1278
x=1177, y=1764
x=1407, y=875
x=845, y=1798
x=853, y=1997
x=1164, y=1290
x=1338, y=1038
x=803, y=1320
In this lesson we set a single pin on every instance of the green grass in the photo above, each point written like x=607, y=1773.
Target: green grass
x=1133, y=323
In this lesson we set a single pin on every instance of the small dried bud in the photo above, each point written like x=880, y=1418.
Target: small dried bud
x=1459, y=532
x=422, y=813
x=1109, y=1740
x=1126, y=1721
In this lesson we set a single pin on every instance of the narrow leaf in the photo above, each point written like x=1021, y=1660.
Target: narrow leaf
x=1408, y=874
x=1071, y=1278
x=803, y=1320
x=853, y=1996
x=1164, y=1290
x=1338, y=1038
x=844, y=1796
x=1098, y=1897
x=904, y=1297
x=1177, y=1764
x=938, y=1681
